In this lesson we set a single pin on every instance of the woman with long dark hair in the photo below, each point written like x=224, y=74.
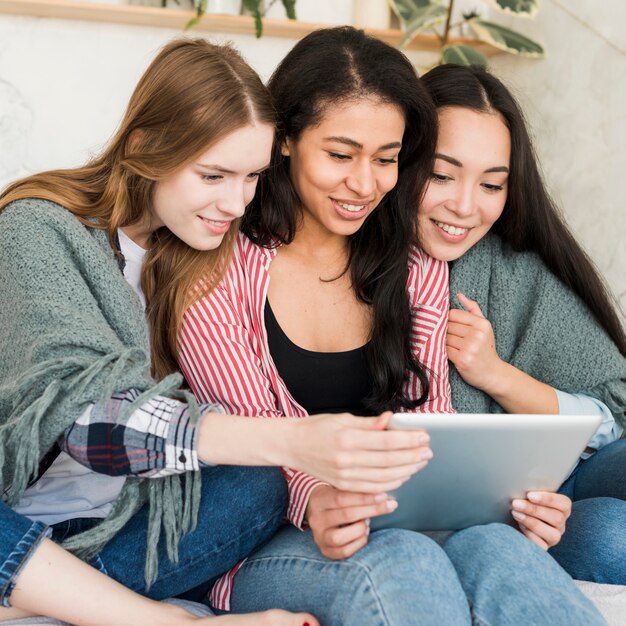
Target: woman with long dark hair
x=329, y=306
x=540, y=332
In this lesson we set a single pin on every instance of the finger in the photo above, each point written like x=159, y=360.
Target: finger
x=470, y=305
x=550, y=535
x=380, y=475
x=358, y=461
x=388, y=440
x=455, y=342
x=381, y=422
x=346, y=551
x=550, y=516
x=459, y=316
x=353, y=514
x=373, y=487
x=347, y=499
x=339, y=536
x=533, y=537
x=457, y=329
x=552, y=500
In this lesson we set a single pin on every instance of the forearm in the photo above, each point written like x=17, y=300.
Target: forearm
x=57, y=584
x=517, y=392
x=236, y=440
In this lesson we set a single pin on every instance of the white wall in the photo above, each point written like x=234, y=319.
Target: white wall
x=64, y=85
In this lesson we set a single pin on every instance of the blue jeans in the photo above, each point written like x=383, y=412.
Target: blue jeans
x=240, y=509
x=482, y=575
x=594, y=544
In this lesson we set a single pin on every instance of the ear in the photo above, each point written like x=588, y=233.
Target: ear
x=286, y=146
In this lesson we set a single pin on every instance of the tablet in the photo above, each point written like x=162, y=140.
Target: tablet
x=481, y=462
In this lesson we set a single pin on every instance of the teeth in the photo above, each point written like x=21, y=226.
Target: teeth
x=452, y=230
x=354, y=208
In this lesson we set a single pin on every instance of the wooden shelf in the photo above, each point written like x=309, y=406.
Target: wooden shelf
x=173, y=18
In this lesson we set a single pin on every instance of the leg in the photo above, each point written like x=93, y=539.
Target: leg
x=400, y=578
x=603, y=474
x=240, y=509
x=510, y=581
x=594, y=544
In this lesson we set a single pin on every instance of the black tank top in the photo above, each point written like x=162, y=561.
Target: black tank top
x=321, y=382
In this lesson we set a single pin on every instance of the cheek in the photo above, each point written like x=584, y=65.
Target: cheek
x=493, y=211
x=387, y=180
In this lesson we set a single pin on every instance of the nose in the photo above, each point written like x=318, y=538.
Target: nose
x=362, y=179
x=233, y=202
x=462, y=202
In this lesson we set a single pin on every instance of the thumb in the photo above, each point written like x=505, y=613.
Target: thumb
x=471, y=306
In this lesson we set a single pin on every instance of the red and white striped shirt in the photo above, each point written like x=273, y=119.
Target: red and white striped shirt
x=225, y=356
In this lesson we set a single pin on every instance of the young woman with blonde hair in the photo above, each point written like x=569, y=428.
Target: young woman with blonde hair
x=119, y=465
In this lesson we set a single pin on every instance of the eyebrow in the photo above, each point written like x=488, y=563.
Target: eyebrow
x=456, y=163
x=359, y=146
x=223, y=170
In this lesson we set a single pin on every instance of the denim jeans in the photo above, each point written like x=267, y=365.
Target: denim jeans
x=594, y=544
x=240, y=509
x=482, y=575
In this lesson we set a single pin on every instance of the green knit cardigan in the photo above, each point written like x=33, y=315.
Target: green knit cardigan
x=72, y=333
x=540, y=327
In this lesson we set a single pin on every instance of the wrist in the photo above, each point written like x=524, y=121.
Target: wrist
x=497, y=383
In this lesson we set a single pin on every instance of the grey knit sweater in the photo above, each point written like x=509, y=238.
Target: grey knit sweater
x=72, y=333
x=540, y=326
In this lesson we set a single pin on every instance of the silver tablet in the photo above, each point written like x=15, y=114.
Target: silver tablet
x=481, y=462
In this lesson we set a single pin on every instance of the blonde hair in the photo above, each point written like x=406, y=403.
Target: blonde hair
x=191, y=96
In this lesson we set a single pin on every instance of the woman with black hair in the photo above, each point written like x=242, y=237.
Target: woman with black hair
x=329, y=306
x=540, y=333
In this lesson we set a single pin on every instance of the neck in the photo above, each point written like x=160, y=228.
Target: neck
x=139, y=233
x=316, y=243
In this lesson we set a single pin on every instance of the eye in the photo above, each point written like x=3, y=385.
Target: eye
x=493, y=188
x=339, y=157
x=211, y=178
x=387, y=161
x=440, y=178
x=253, y=176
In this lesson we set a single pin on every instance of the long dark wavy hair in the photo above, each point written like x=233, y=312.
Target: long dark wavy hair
x=326, y=68
x=530, y=219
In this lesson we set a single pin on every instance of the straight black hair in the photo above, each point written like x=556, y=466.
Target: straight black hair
x=530, y=219
x=327, y=68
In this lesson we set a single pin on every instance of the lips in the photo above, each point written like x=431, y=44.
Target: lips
x=217, y=227
x=350, y=210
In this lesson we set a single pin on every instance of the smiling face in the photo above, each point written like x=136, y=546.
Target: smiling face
x=468, y=187
x=343, y=167
x=199, y=202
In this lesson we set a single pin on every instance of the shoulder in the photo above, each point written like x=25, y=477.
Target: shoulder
x=35, y=213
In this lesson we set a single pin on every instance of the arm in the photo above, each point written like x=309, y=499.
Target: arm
x=471, y=347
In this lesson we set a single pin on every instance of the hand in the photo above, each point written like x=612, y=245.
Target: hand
x=357, y=454
x=542, y=516
x=471, y=346
x=339, y=520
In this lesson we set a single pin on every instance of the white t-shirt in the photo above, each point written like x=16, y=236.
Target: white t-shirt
x=68, y=489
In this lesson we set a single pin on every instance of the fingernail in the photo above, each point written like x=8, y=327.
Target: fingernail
x=534, y=496
x=520, y=505
x=392, y=505
x=306, y=624
x=517, y=515
x=421, y=465
x=425, y=438
x=426, y=454
x=380, y=497
x=367, y=521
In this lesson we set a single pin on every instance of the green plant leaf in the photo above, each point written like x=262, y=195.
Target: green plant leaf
x=521, y=8
x=254, y=8
x=506, y=39
x=405, y=9
x=290, y=9
x=463, y=55
x=421, y=19
x=200, y=11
